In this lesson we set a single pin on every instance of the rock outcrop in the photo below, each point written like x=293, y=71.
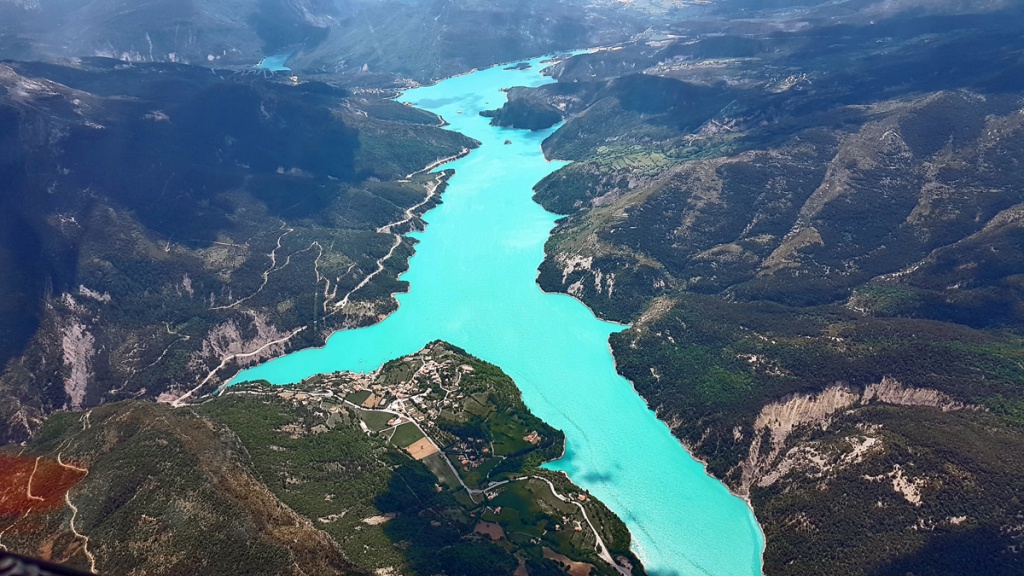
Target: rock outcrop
x=769, y=460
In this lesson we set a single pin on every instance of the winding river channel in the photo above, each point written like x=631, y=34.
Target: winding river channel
x=472, y=283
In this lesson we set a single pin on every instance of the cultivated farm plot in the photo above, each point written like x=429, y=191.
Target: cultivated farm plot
x=478, y=477
x=530, y=510
x=478, y=404
x=375, y=421
x=436, y=464
x=358, y=398
x=401, y=372
x=406, y=434
x=507, y=434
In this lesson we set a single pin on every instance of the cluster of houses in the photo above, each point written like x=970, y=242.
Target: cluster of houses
x=422, y=396
x=533, y=438
x=472, y=452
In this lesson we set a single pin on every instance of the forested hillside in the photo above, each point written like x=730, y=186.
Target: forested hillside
x=814, y=227
x=163, y=221
x=310, y=479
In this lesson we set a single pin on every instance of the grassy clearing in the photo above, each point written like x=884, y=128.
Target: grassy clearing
x=436, y=464
x=406, y=434
x=374, y=420
x=358, y=398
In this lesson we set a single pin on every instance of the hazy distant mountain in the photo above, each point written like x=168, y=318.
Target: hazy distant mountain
x=421, y=39
x=218, y=33
x=435, y=38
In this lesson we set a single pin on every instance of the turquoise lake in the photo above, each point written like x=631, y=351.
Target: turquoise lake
x=275, y=63
x=472, y=283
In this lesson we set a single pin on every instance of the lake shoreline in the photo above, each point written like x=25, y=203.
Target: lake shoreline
x=472, y=283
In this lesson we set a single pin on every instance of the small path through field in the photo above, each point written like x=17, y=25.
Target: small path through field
x=74, y=514
x=601, y=549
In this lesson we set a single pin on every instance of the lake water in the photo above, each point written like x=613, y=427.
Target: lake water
x=473, y=284
x=275, y=63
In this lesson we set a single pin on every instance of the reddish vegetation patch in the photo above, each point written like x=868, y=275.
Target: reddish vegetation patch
x=34, y=484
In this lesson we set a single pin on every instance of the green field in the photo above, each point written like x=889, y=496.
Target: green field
x=358, y=398
x=406, y=434
x=374, y=420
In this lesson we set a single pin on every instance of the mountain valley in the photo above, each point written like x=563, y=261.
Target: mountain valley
x=808, y=214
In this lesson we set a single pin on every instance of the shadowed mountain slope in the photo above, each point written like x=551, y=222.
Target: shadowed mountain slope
x=166, y=219
x=813, y=225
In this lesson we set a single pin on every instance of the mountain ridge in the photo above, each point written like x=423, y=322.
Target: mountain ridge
x=788, y=229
